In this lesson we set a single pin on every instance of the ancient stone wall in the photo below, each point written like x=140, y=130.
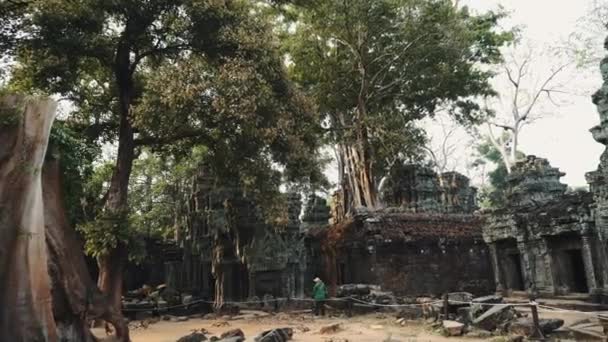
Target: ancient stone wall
x=228, y=241
x=598, y=180
x=418, y=269
x=419, y=189
x=457, y=194
x=542, y=240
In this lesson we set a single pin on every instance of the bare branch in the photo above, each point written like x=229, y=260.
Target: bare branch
x=542, y=89
x=505, y=127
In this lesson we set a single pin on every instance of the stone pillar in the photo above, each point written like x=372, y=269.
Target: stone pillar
x=545, y=253
x=497, y=271
x=602, y=226
x=588, y=261
x=528, y=273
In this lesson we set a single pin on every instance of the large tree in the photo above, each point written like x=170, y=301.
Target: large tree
x=375, y=67
x=108, y=57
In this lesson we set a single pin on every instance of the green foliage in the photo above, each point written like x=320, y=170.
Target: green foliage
x=76, y=156
x=103, y=234
x=200, y=75
x=493, y=195
x=160, y=189
x=400, y=59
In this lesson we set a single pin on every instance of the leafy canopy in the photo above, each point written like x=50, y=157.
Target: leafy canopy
x=403, y=59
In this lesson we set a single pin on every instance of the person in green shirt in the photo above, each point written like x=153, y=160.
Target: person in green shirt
x=319, y=294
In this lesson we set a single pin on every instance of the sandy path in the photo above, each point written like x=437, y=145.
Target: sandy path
x=369, y=328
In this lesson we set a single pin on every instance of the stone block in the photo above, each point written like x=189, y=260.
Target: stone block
x=233, y=333
x=525, y=326
x=453, y=328
x=494, y=317
x=460, y=297
x=193, y=337
x=492, y=299
x=275, y=335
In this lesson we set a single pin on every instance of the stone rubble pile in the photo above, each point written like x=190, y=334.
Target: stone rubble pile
x=486, y=316
x=366, y=293
x=237, y=335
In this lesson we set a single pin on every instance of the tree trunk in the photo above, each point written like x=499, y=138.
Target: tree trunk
x=515, y=135
x=75, y=296
x=36, y=241
x=111, y=267
x=25, y=289
x=217, y=269
x=112, y=264
x=361, y=182
x=357, y=155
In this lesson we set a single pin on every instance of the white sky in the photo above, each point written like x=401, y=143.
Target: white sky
x=564, y=137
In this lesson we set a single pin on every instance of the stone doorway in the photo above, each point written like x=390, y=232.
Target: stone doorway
x=510, y=266
x=571, y=275
x=514, y=273
x=579, y=278
x=268, y=283
x=569, y=271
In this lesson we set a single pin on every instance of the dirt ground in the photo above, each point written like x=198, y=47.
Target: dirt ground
x=378, y=327
x=367, y=328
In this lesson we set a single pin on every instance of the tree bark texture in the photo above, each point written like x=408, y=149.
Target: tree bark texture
x=76, y=298
x=25, y=289
x=46, y=293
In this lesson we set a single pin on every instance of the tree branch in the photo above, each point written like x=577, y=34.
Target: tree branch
x=150, y=141
x=542, y=89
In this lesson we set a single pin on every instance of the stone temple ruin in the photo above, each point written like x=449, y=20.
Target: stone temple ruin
x=428, y=239
x=543, y=240
x=229, y=250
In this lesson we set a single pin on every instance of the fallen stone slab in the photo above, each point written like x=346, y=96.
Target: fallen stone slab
x=232, y=339
x=275, y=335
x=460, y=297
x=494, y=317
x=453, y=328
x=193, y=337
x=525, y=326
x=227, y=339
x=233, y=333
x=492, y=299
